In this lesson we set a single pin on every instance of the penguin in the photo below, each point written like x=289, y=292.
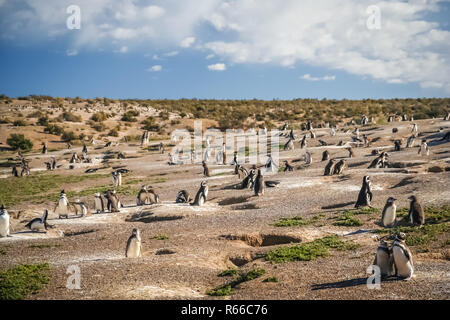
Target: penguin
x=119, y=204
x=350, y=152
x=289, y=145
x=62, y=206
x=4, y=222
x=38, y=223
x=339, y=167
x=424, y=150
x=365, y=194
x=259, y=184
x=153, y=198
x=80, y=208
x=142, y=197
x=323, y=143
x=161, y=148
x=224, y=154
x=112, y=205
x=304, y=143
x=44, y=148
x=388, y=215
x=308, y=158
x=242, y=172
x=403, y=258
x=288, y=167
x=74, y=158
x=414, y=129
x=99, y=204
x=410, y=142
x=325, y=155
x=248, y=181
x=416, y=215
x=84, y=149
x=205, y=169
x=384, y=259
x=133, y=249
x=329, y=168
x=183, y=197
x=201, y=196
x=332, y=132
x=15, y=173
x=270, y=165
x=397, y=145
x=312, y=134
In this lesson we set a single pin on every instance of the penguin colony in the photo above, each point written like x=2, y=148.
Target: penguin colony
x=393, y=259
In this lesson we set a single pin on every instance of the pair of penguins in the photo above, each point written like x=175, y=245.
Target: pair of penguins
x=63, y=205
x=113, y=202
x=183, y=196
x=388, y=217
x=36, y=224
x=334, y=167
x=395, y=260
x=147, y=195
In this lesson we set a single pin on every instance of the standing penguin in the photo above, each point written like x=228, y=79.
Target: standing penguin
x=329, y=168
x=62, y=206
x=350, y=152
x=402, y=257
x=289, y=145
x=80, y=208
x=99, y=204
x=410, y=141
x=249, y=180
x=424, y=150
x=112, y=205
x=44, y=147
x=308, y=158
x=416, y=215
x=365, y=194
x=152, y=195
x=201, y=196
x=397, y=145
x=388, y=215
x=15, y=173
x=339, y=167
x=304, y=143
x=205, y=169
x=259, y=184
x=384, y=259
x=133, y=249
x=38, y=223
x=84, y=149
x=142, y=197
x=4, y=222
x=325, y=155
x=288, y=167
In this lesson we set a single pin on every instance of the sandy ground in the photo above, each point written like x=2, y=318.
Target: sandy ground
x=197, y=237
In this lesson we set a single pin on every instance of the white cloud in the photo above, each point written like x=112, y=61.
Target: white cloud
x=71, y=52
x=123, y=49
x=171, y=54
x=324, y=78
x=408, y=48
x=187, y=42
x=217, y=67
x=155, y=68
x=210, y=56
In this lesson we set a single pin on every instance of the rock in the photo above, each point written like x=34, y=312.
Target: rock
x=435, y=169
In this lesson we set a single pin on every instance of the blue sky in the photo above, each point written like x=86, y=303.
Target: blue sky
x=300, y=50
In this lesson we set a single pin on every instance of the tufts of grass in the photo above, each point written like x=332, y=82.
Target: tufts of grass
x=161, y=237
x=43, y=246
x=271, y=279
x=367, y=210
x=309, y=250
x=347, y=219
x=3, y=252
x=227, y=289
x=19, y=282
x=295, y=221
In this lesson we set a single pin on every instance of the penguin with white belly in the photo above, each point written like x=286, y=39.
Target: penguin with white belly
x=133, y=249
x=4, y=222
x=38, y=224
x=402, y=257
x=384, y=259
x=389, y=213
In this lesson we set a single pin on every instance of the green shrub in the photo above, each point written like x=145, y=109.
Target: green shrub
x=99, y=116
x=68, y=136
x=19, y=123
x=18, y=141
x=68, y=116
x=53, y=129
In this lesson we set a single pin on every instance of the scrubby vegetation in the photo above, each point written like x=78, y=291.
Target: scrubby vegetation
x=348, y=219
x=19, y=142
x=309, y=250
x=227, y=289
x=296, y=221
x=21, y=281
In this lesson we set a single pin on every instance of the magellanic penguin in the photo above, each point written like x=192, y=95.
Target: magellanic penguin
x=416, y=215
x=201, y=195
x=289, y=145
x=183, y=197
x=112, y=205
x=424, y=150
x=325, y=155
x=403, y=259
x=99, y=204
x=259, y=184
x=365, y=194
x=38, y=223
x=304, y=143
x=388, y=215
x=80, y=208
x=329, y=168
x=350, y=152
x=288, y=167
x=152, y=195
x=308, y=158
x=142, y=197
x=384, y=259
x=339, y=167
x=205, y=169
x=4, y=222
x=133, y=249
x=62, y=207
x=249, y=180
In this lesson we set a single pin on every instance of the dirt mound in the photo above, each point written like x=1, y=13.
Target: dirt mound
x=263, y=240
